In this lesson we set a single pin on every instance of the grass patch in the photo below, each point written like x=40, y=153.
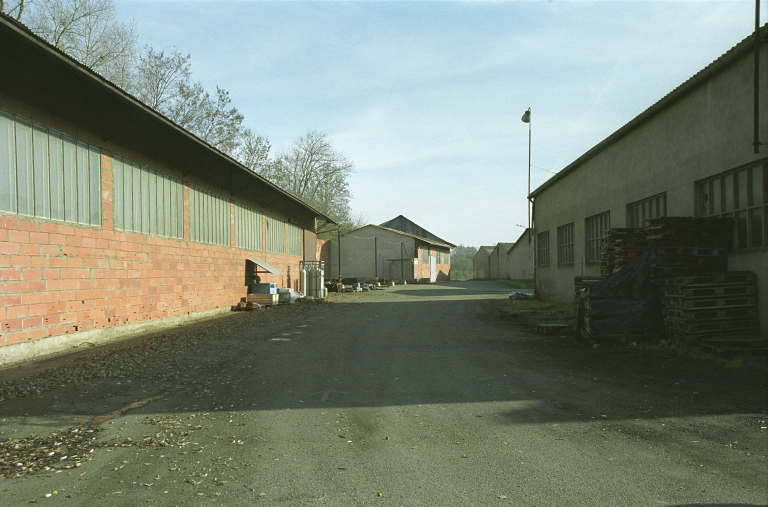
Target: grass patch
x=529, y=312
x=519, y=284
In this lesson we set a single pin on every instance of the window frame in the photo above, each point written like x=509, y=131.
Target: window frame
x=726, y=187
x=565, y=242
x=543, y=249
x=592, y=240
x=633, y=219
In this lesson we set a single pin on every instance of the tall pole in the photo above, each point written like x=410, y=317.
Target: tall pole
x=529, y=169
x=339, y=236
x=402, y=269
x=376, y=257
x=756, y=143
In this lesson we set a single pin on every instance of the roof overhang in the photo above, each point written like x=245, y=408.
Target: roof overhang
x=723, y=62
x=263, y=265
x=38, y=74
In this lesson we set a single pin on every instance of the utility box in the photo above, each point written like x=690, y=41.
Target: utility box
x=262, y=288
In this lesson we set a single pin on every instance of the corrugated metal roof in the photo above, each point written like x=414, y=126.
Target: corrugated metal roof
x=736, y=52
x=420, y=238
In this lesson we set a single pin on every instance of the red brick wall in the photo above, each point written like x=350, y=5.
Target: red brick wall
x=58, y=278
x=421, y=270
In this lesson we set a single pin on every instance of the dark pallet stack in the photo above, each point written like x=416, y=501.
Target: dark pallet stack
x=620, y=247
x=698, y=243
x=712, y=308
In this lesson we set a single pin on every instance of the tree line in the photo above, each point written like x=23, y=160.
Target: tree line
x=91, y=32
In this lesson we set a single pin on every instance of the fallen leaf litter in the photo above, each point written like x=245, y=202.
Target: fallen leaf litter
x=70, y=448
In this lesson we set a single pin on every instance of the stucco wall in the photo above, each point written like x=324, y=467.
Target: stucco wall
x=480, y=267
x=520, y=260
x=707, y=132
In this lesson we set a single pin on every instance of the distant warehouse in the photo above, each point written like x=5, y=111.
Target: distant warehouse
x=690, y=154
x=113, y=219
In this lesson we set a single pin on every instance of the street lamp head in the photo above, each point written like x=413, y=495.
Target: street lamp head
x=527, y=116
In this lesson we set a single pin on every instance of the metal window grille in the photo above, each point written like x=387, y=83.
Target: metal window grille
x=275, y=235
x=209, y=217
x=638, y=213
x=248, y=228
x=565, y=244
x=294, y=240
x=743, y=195
x=46, y=174
x=543, y=248
x=596, y=227
x=160, y=212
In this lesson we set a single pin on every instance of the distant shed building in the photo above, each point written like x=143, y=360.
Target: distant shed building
x=497, y=262
x=481, y=267
x=520, y=258
x=115, y=220
x=380, y=251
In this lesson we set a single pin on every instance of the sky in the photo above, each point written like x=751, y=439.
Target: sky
x=425, y=97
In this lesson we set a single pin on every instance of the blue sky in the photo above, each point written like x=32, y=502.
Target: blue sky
x=426, y=97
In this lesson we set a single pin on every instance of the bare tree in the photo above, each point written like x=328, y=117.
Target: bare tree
x=13, y=9
x=316, y=173
x=253, y=151
x=89, y=31
x=158, y=76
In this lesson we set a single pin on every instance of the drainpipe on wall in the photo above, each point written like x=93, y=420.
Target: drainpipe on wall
x=756, y=142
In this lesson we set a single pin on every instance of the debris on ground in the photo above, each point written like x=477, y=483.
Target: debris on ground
x=521, y=295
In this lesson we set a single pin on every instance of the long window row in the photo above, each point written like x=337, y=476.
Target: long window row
x=46, y=174
x=743, y=195
x=146, y=201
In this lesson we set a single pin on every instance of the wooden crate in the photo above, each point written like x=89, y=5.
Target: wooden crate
x=262, y=299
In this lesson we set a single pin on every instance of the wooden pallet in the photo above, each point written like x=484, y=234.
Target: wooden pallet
x=711, y=302
x=711, y=290
x=708, y=314
x=262, y=299
x=743, y=277
x=739, y=325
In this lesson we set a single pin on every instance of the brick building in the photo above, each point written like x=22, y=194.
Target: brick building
x=113, y=219
x=395, y=250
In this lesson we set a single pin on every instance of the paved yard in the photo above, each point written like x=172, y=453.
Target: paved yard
x=412, y=395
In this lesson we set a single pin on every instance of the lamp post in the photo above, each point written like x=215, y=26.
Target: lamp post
x=527, y=119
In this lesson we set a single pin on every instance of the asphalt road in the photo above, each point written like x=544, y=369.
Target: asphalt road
x=414, y=395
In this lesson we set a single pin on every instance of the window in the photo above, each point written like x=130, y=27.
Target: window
x=596, y=228
x=425, y=255
x=146, y=201
x=294, y=240
x=743, y=195
x=209, y=217
x=639, y=212
x=46, y=174
x=565, y=244
x=275, y=235
x=247, y=228
x=542, y=241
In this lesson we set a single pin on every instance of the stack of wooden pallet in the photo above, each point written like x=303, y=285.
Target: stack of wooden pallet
x=711, y=305
x=699, y=243
x=620, y=247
